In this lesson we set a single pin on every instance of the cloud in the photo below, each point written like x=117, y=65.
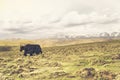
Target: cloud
x=18, y=30
x=77, y=24
x=111, y=21
x=73, y=19
x=71, y=23
x=43, y=18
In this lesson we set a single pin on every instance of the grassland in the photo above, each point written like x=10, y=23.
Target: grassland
x=49, y=42
x=87, y=61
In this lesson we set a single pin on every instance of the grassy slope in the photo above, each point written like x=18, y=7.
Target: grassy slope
x=49, y=42
x=63, y=63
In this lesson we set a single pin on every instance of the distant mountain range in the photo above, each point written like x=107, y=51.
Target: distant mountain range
x=99, y=35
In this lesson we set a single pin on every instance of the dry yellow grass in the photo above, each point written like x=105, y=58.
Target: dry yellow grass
x=88, y=61
x=50, y=42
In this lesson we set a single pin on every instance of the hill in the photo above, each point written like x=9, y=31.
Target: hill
x=49, y=42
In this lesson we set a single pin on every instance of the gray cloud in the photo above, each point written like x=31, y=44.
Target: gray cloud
x=56, y=21
x=18, y=30
x=75, y=19
x=44, y=28
x=27, y=22
x=112, y=21
x=77, y=24
x=107, y=22
x=28, y=29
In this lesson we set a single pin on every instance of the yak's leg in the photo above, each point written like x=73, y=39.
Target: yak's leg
x=31, y=54
x=25, y=53
x=41, y=51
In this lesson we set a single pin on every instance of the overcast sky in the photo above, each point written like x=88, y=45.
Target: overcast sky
x=46, y=18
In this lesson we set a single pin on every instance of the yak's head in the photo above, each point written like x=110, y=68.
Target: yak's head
x=22, y=48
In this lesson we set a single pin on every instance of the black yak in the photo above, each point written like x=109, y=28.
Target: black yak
x=31, y=49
